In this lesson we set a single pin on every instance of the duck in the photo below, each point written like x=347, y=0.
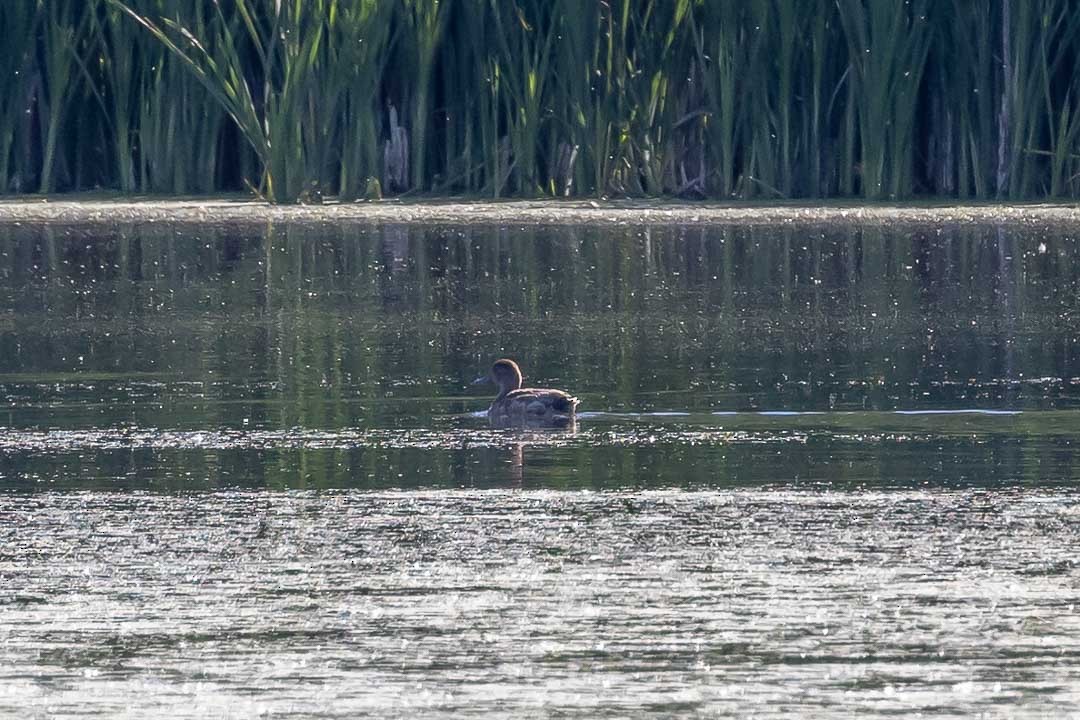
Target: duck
x=516, y=406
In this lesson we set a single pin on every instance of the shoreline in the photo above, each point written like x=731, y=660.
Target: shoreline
x=115, y=211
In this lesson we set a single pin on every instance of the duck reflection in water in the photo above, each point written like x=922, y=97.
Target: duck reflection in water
x=516, y=406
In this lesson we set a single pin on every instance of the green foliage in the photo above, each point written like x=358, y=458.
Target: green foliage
x=703, y=98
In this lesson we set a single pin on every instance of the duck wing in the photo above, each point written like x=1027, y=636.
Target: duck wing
x=543, y=400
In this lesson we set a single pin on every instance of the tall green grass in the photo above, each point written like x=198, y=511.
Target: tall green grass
x=758, y=98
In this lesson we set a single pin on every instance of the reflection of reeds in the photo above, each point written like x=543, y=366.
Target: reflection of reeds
x=765, y=98
x=365, y=327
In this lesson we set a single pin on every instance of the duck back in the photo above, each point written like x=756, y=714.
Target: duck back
x=533, y=406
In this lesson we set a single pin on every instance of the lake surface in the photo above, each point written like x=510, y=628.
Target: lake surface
x=819, y=471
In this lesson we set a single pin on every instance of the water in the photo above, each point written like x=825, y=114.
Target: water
x=819, y=471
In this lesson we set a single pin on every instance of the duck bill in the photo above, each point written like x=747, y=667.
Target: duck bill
x=482, y=380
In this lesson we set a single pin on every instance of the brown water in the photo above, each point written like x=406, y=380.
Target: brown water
x=820, y=472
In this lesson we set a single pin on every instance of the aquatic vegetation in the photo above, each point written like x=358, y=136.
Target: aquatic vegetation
x=814, y=98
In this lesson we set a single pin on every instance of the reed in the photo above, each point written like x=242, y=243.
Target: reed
x=423, y=23
x=579, y=134
x=520, y=66
x=119, y=46
x=468, y=124
x=62, y=28
x=888, y=45
x=721, y=53
x=179, y=129
x=1057, y=61
x=966, y=129
x=358, y=54
x=20, y=22
x=763, y=98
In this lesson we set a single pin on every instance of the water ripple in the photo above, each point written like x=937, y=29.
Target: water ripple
x=522, y=603
x=39, y=441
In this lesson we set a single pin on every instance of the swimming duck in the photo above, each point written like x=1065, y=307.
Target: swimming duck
x=516, y=406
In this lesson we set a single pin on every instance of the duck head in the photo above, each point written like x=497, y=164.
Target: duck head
x=505, y=374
